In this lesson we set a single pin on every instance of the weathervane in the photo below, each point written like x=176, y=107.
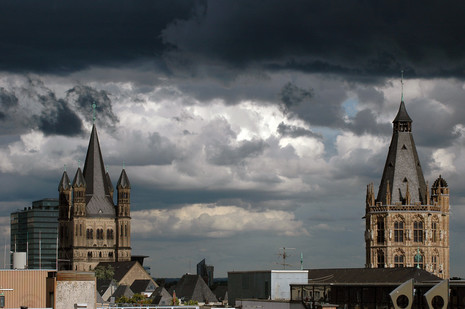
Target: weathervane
x=93, y=112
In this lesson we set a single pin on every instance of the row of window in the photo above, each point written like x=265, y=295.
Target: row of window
x=399, y=231
x=399, y=261
x=100, y=235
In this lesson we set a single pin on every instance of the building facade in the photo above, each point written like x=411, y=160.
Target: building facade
x=34, y=231
x=92, y=228
x=407, y=224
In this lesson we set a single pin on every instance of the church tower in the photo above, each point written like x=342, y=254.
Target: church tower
x=407, y=225
x=89, y=221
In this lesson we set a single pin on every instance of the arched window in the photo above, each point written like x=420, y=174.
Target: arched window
x=418, y=231
x=380, y=259
x=380, y=230
x=125, y=230
x=399, y=231
x=89, y=254
x=434, y=262
x=399, y=260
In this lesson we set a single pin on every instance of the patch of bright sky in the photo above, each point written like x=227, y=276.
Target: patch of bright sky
x=350, y=107
x=329, y=139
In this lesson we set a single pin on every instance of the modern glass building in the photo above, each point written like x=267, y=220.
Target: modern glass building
x=34, y=230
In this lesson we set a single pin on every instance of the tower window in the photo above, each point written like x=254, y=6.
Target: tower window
x=399, y=260
x=418, y=231
x=399, y=231
x=380, y=259
x=434, y=231
x=380, y=230
x=434, y=262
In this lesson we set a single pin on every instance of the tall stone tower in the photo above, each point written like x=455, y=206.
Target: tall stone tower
x=92, y=228
x=407, y=225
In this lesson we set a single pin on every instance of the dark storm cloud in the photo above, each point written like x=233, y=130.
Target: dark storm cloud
x=303, y=104
x=7, y=101
x=57, y=118
x=365, y=122
x=359, y=38
x=83, y=97
x=292, y=95
x=61, y=37
x=221, y=154
x=294, y=131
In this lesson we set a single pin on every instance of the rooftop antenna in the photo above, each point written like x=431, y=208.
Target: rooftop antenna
x=301, y=261
x=402, y=85
x=284, y=256
x=94, y=106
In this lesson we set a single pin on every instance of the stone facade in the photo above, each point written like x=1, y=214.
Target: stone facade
x=92, y=229
x=407, y=225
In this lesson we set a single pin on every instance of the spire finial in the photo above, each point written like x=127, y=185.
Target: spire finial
x=64, y=167
x=93, y=112
x=402, y=85
x=79, y=163
x=123, y=165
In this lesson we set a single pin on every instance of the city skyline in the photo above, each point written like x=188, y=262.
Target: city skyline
x=243, y=127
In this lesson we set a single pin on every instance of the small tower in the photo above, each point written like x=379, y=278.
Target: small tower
x=123, y=209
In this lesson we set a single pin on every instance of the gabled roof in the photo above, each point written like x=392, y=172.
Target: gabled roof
x=104, y=284
x=388, y=276
x=64, y=182
x=402, y=175
x=123, y=181
x=192, y=287
x=142, y=285
x=123, y=290
x=161, y=297
x=79, y=180
x=97, y=191
x=120, y=268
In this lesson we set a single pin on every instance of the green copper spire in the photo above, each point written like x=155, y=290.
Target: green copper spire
x=402, y=85
x=93, y=112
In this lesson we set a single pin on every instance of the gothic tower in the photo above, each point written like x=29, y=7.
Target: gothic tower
x=89, y=221
x=406, y=225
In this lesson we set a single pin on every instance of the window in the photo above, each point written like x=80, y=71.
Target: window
x=434, y=231
x=380, y=230
x=80, y=229
x=380, y=259
x=90, y=234
x=418, y=231
x=399, y=260
x=399, y=231
x=434, y=262
x=125, y=230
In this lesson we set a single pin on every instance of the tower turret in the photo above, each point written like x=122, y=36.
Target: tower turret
x=123, y=217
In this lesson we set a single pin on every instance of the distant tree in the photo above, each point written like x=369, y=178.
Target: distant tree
x=135, y=299
x=191, y=302
x=102, y=272
x=122, y=300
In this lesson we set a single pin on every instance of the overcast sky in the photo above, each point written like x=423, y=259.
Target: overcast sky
x=244, y=126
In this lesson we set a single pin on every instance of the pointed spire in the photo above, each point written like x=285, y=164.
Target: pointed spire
x=402, y=115
x=97, y=190
x=402, y=163
x=109, y=183
x=79, y=180
x=123, y=181
x=64, y=182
